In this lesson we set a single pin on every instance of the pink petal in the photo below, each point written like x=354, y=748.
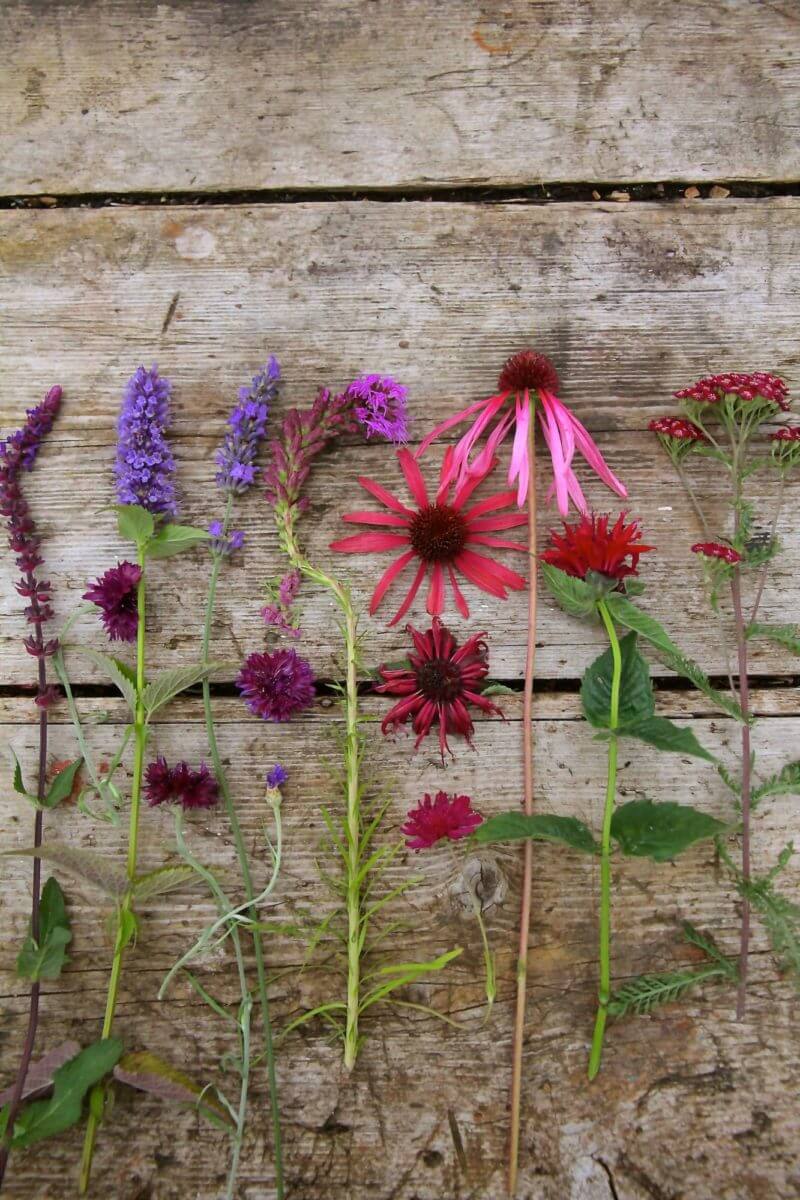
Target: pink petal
x=388, y=578
x=370, y=518
x=501, y=500
x=436, y=591
x=416, y=484
x=448, y=424
x=466, y=444
x=412, y=591
x=458, y=595
x=506, y=576
x=483, y=463
x=499, y=543
x=446, y=475
x=502, y=521
x=590, y=452
x=519, y=467
x=475, y=574
x=365, y=542
x=380, y=493
x=469, y=483
x=552, y=435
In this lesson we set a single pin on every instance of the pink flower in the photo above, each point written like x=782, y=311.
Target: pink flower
x=524, y=378
x=717, y=550
x=445, y=816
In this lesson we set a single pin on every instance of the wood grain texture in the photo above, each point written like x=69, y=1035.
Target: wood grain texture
x=206, y=96
x=689, y=1103
x=630, y=303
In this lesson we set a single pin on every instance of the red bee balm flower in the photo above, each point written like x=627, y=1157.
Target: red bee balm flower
x=439, y=535
x=442, y=678
x=589, y=545
x=717, y=550
x=445, y=816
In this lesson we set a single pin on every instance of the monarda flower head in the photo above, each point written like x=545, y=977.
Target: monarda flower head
x=439, y=535
x=379, y=404
x=755, y=385
x=444, y=816
x=145, y=464
x=440, y=683
x=717, y=551
x=590, y=545
x=526, y=378
x=276, y=686
x=180, y=784
x=115, y=594
x=247, y=426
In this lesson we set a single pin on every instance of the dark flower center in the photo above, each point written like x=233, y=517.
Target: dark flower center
x=128, y=603
x=438, y=533
x=528, y=371
x=439, y=679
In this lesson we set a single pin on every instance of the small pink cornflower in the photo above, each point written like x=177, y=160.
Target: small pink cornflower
x=444, y=816
x=717, y=550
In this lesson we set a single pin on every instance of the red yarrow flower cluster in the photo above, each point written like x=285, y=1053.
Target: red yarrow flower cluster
x=788, y=433
x=439, y=684
x=439, y=534
x=679, y=428
x=115, y=594
x=591, y=545
x=751, y=386
x=180, y=785
x=718, y=551
x=444, y=816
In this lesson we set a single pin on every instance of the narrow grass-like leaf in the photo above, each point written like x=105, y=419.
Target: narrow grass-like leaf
x=148, y=1073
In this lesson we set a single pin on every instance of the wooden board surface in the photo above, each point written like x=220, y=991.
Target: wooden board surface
x=207, y=97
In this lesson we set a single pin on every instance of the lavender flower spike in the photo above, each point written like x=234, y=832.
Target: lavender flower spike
x=144, y=461
x=379, y=403
x=247, y=425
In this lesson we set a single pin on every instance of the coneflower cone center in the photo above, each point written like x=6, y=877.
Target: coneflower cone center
x=438, y=533
x=439, y=679
x=528, y=372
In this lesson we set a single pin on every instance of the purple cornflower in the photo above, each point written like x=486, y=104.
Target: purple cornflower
x=276, y=686
x=115, y=594
x=247, y=425
x=144, y=461
x=379, y=403
x=277, y=776
x=18, y=453
x=220, y=544
x=180, y=785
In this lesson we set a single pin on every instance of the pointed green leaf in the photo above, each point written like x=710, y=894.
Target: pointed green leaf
x=173, y=539
x=45, y=1118
x=666, y=735
x=785, y=783
x=61, y=787
x=575, y=596
x=45, y=959
x=646, y=829
x=135, y=523
x=160, y=881
x=117, y=671
x=169, y=684
x=543, y=827
x=636, y=690
x=18, y=783
x=785, y=635
x=104, y=873
x=149, y=1073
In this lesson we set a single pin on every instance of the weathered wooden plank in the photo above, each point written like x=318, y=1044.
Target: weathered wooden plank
x=651, y=301
x=200, y=96
x=386, y=1131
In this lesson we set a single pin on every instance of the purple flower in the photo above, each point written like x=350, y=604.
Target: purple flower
x=288, y=588
x=380, y=407
x=144, y=461
x=247, y=425
x=276, y=686
x=279, y=614
x=180, y=785
x=277, y=776
x=220, y=544
x=115, y=594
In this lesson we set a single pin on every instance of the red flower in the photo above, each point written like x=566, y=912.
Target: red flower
x=445, y=816
x=115, y=594
x=589, y=545
x=180, y=785
x=788, y=433
x=678, y=428
x=442, y=678
x=757, y=384
x=717, y=550
x=439, y=536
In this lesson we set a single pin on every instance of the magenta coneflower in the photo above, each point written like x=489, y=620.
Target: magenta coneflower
x=443, y=816
x=441, y=680
x=276, y=686
x=526, y=377
x=439, y=534
x=115, y=594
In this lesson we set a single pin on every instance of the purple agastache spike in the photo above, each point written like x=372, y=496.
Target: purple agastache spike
x=247, y=426
x=380, y=407
x=144, y=460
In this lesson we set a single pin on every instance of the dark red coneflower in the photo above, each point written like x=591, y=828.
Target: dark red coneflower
x=451, y=817
x=440, y=682
x=590, y=545
x=115, y=594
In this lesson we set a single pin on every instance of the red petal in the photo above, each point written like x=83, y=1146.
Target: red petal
x=504, y=574
x=371, y=518
x=416, y=484
x=461, y=603
x=503, y=521
x=436, y=591
x=412, y=591
x=482, y=539
x=380, y=493
x=388, y=578
x=365, y=542
x=480, y=578
x=501, y=500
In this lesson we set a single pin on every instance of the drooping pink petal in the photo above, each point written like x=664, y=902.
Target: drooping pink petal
x=411, y=594
x=388, y=578
x=470, y=482
x=385, y=497
x=501, y=500
x=466, y=444
x=591, y=453
x=501, y=521
x=552, y=434
x=484, y=461
x=446, y=475
x=416, y=484
x=373, y=518
x=519, y=466
x=456, y=419
x=362, y=543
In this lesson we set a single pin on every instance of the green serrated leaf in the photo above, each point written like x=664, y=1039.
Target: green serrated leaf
x=785, y=782
x=627, y=614
x=18, y=783
x=103, y=872
x=645, y=993
x=135, y=523
x=45, y=1118
x=636, y=691
x=173, y=539
x=45, y=959
x=646, y=829
x=666, y=735
x=575, y=596
x=704, y=941
x=688, y=669
x=545, y=827
x=169, y=684
x=787, y=636
x=118, y=672
x=161, y=881
x=498, y=689
x=62, y=785
x=149, y=1073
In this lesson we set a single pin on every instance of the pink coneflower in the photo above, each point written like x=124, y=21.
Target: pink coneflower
x=115, y=594
x=526, y=377
x=439, y=535
x=717, y=550
x=440, y=681
x=443, y=816
x=590, y=545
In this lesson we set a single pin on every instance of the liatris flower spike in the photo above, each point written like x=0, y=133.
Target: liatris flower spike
x=379, y=404
x=439, y=535
x=526, y=378
x=144, y=460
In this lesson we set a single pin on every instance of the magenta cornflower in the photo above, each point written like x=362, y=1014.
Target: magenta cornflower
x=525, y=378
x=440, y=683
x=747, y=386
x=717, y=550
x=440, y=535
x=115, y=594
x=276, y=686
x=379, y=404
x=180, y=784
x=443, y=816
x=145, y=464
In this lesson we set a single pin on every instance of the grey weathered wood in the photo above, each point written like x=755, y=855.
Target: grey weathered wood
x=200, y=96
x=688, y=1076
x=648, y=302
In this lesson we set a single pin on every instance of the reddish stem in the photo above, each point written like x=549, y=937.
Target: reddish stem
x=744, y=703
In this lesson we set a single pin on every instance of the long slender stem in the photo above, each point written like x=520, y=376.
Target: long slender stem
x=244, y=864
x=762, y=576
x=604, y=992
x=123, y=924
x=744, y=702
x=527, y=863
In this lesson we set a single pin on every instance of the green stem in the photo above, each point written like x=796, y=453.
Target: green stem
x=488, y=960
x=124, y=928
x=244, y=864
x=604, y=993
